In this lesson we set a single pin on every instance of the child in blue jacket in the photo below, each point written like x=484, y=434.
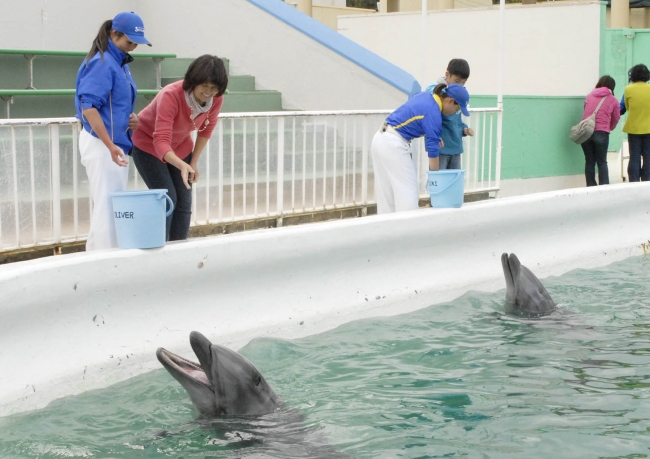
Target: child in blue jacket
x=453, y=128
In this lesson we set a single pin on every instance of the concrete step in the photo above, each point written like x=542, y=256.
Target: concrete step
x=241, y=83
x=176, y=68
x=235, y=82
x=252, y=101
x=55, y=72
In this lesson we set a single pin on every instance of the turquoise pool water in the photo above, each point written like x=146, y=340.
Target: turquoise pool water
x=458, y=379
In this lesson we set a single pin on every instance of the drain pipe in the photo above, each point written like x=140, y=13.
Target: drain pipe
x=502, y=25
x=424, y=44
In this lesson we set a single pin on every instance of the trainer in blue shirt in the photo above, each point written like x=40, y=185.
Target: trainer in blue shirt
x=105, y=100
x=396, y=185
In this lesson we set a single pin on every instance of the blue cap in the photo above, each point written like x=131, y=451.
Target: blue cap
x=131, y=25
x=460, y=96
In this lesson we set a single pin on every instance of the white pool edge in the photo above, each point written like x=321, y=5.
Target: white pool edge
x=84, y=321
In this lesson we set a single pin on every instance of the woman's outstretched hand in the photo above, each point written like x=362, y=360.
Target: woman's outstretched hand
x=188, y=174
x=117, y=155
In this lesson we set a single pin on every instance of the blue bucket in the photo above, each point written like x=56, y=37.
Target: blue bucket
x=446, y=187
x=140, y=218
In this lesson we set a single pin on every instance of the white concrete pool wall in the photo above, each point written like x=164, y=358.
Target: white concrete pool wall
x=84, y=321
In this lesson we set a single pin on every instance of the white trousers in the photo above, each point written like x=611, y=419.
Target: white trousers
x=396, y=182
x=104, y=178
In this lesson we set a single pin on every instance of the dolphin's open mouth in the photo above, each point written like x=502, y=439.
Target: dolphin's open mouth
x=191, y=369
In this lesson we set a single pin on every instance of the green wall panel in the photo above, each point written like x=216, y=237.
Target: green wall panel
x=536, y=135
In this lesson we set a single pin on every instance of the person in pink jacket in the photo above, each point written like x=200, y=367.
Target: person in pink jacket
x=163, y=150
x=595, y=148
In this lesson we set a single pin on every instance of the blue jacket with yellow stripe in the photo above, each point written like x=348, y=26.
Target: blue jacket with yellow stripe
x=418, y=116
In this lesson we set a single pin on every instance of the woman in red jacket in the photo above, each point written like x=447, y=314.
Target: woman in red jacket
x=595, y=148
x=163, y=150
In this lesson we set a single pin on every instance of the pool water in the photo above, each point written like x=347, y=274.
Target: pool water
x=458, y=379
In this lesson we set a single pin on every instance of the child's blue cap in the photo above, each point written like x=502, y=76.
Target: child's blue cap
x=460, y=96
x=131, y=25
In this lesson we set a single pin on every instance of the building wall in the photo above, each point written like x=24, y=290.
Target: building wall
x=328, y=15
x=334, y=3
x=71, y=25
x=536, y=135
x=537, y=58
x=639, y=18
x=416, y=5
x=545, y=81
x=279, y=56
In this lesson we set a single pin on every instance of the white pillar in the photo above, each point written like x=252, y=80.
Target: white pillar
x=424, y=44
x=620, y=14
x=305, y=6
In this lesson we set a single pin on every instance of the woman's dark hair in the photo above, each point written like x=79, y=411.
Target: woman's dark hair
x=458, y=67
x=206, y=69
x=438, y=91
x=606, y=81
x=639, y=73
x=100, y=44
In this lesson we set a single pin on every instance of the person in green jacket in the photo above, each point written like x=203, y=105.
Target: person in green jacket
x=637, y=125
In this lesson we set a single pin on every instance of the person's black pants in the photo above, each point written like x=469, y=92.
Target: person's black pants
x=159, y=175
x=595, y=149
x=639, y=149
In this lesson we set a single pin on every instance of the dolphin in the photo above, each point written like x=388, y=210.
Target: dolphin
x=242, y=412
x=222, y=383
x=525, y=294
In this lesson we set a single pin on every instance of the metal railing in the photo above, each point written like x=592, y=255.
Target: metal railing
x=256, y=165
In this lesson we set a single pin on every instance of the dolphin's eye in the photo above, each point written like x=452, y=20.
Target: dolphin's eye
x=257, y=380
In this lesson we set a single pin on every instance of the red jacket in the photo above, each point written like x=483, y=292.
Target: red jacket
x=165, y=124
x=608, y=114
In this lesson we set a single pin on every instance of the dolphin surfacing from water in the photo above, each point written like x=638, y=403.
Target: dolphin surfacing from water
x=239, y=407
x=525, y=294
x=222, y=383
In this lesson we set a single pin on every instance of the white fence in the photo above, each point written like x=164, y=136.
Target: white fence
x=256, y=165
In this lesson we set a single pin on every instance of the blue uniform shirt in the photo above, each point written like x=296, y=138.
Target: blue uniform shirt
x=107, y=85
x=418, y=116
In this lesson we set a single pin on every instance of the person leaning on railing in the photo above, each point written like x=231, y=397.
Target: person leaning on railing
x=105, y=99
x=396, y=182
x=163, y=152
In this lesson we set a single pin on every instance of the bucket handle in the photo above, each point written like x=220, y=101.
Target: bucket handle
x=171, y=205
x=445, y=188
